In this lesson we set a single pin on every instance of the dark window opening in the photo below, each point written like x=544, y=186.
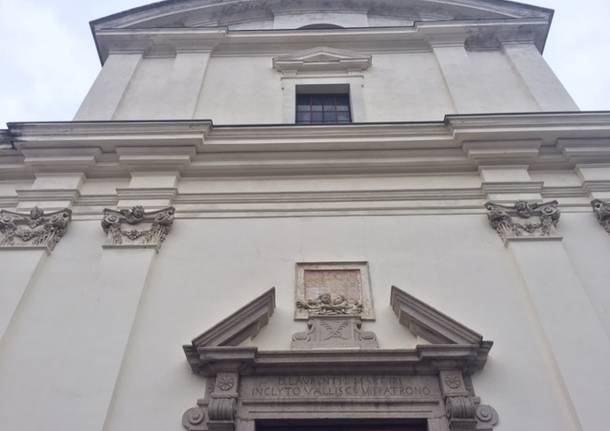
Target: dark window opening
x=343, y=425
x=323, y=109
x=319, y=27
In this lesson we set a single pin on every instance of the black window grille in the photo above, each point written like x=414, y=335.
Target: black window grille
x=323, y=109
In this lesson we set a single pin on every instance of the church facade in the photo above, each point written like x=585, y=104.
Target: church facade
x=285, y=214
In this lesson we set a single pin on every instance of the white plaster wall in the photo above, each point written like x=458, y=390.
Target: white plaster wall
x=144, y=96
x=398, y=87
x=242, y=90
x=588, y=246
x=57, y=347
x=406, y=87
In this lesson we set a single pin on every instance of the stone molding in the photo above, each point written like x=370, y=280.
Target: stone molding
x=524, y=219
x=334, y=331
x=34, y=230
x=429, y=323
x=238, y=327
x=136, y=227
x=322, y=59
x=431, y=382
x=601, y=209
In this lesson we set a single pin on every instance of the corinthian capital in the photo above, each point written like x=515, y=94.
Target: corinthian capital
x=602, y=212
x=36, y=229
x=523, y=219
x=137, y=227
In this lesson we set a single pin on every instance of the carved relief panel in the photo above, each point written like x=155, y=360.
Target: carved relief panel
x=333, y=288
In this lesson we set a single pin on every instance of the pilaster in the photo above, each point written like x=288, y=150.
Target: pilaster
x=543, y=85
x=184, y=84
x=574, y=335
x=457, y=71
x=107, y=91
x=18, y=269
x=507, y=183
x=595, y=179
x=133, y=239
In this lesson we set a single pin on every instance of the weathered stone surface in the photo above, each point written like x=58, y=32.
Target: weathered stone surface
x=36, y=229
x=602, y=212
x=137, y=227
x=333, y=288
x=523, y=219
x=332, y=332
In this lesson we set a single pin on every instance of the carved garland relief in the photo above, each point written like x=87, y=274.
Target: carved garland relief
x=36, y=229
x=523, y=219
x=324, y=376
x=602, y=213
x=135, y=226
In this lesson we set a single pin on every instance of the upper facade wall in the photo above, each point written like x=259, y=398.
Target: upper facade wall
x=400, y=64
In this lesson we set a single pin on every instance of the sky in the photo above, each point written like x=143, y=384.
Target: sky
x=48, y=59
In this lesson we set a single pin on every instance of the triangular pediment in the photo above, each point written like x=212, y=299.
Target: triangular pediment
x=209, y=13
x=322, y=59
x=445, y=334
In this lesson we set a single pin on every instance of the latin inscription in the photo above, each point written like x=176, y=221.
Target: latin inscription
x=304, y=387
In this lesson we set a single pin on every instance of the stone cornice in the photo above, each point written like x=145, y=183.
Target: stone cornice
x=489, y=34
x=196, y=147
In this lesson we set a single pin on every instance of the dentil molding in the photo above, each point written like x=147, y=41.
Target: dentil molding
x=524, y=219
x=136, y=227
x=34, y=230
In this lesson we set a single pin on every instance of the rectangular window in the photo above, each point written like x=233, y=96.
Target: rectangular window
x=323, y=108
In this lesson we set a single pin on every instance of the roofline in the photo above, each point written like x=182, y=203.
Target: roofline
x=446, y=120
x=93, y=23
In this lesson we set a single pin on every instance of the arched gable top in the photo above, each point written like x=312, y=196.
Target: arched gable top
x=211, y=13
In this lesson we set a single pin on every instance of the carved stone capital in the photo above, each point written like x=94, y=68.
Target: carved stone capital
x=327, y=332
x=137, y=227
x=35, y=229
x=602, y=212
x=523, y=219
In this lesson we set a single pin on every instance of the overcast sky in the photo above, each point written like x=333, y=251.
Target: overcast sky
x=48, y=59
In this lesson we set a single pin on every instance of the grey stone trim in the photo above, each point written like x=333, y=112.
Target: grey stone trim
x=33, y=230
x=239, y=326
x=120, y=226
x=430, y=382
x=429, y=323
x=322, y=58
x=524, y=219
x=602, y=212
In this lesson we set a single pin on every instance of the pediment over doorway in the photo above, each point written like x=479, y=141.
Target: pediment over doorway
x=431, y=383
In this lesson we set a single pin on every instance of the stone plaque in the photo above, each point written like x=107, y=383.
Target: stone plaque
x=314, y=388
x=344, y=282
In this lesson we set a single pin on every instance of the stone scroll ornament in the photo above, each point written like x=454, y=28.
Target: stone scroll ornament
x=36, y=229
x=523, y=218
x=136, y=226
x=329, y=305
x=602, y=213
